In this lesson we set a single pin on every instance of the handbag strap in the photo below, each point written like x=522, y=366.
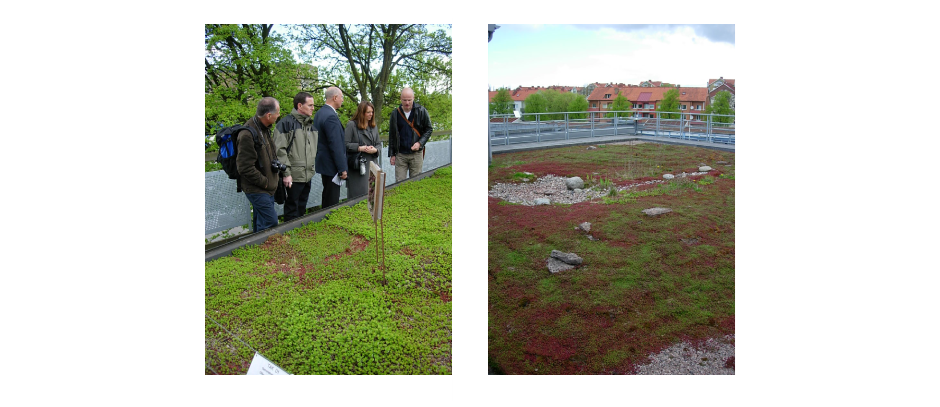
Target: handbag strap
x=417, y=133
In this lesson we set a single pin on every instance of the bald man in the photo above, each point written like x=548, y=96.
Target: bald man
x=409, y=129
x=331, y=146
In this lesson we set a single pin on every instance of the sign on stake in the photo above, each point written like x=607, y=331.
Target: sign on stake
x=376, y=203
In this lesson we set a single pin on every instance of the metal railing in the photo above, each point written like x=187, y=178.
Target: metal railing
x=505, y=129
x=226, y=209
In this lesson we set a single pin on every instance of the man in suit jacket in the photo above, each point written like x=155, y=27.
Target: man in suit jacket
x=331, y=149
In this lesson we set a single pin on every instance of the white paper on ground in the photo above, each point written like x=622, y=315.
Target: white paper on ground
x=263, y=366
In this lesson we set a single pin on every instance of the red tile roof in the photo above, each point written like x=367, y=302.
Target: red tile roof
x=635, y=94
x=730, y=82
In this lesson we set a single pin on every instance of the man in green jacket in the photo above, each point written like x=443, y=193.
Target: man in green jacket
x=296, y=142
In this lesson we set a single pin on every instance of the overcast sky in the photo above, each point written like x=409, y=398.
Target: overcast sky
x=575, y=55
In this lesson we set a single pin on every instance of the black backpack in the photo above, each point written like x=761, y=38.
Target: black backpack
x=227, y=140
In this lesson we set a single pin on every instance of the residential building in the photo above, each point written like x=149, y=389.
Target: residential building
x=718, y=85
x=645, y=100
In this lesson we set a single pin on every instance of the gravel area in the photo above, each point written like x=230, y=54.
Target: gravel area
x=553, y=188
x=684, y=359
x=710, y=358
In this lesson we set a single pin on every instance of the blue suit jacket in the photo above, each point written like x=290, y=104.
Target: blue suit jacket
x=331, y=149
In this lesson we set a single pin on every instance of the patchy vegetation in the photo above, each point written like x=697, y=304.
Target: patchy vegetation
x=646, y=283
x=313, y=300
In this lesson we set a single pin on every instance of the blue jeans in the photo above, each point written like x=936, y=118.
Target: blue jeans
x=264, y=214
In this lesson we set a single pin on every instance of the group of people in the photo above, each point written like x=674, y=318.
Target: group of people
x=307, y=144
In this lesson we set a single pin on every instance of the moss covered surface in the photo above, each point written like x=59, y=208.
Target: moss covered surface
x=646, y=282
x=313, y=300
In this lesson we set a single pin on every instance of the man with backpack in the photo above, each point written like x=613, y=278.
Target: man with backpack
x=409, y=129
x=296, y=142
x=256, y=174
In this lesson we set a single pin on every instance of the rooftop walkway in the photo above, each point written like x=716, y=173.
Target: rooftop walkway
x=607, y=139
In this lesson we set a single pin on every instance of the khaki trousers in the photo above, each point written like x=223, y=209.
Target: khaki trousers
x=408, y=165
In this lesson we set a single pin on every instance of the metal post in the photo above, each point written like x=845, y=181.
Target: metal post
x=491, y=28
x=657, y=125
x=566, y=125
x=708, y=126
x=538, y=128
x=680, y=125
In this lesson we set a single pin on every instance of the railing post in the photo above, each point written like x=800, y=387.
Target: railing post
x=506, y=131
x=616, y=122
x=489, y=142
x=566, y=125
x=538, y=128
x=708, y=126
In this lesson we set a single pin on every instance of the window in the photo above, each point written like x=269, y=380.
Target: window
x=607, y=96
x=606, y=105
x=682, y=107
x=593, y=104
x=650, y=106
x=637, y=106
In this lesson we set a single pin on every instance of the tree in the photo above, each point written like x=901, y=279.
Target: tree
x=244, y=63
x=578, y=104
x=535, y=103
x=620, y=103
x=721, y=104
x=670, y=103
x=502, y=102
x=371, y=53
x=558, y=102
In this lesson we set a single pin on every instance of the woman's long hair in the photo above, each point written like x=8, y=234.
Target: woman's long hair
x=360, y=117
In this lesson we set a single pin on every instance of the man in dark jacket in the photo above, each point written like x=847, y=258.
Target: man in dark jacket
x=409, y=129
x=331, y=147
x=255, y=175
x=296, y=142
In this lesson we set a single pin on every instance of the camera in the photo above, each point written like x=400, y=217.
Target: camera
x=278, y=166
x=363, y=163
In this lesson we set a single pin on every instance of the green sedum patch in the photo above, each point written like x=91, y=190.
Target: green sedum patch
x=314, y=301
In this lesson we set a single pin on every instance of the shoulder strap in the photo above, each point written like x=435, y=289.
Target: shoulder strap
x=291, y=124
x=417, y=133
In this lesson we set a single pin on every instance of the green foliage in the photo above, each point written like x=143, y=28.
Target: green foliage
x=314, y=302
x=605, y=184
x=670, y=103
x=559, y=102
x=721, y=105
x=630, y=196
x=368, y=56
x=523, y=177
x=244, y=63
x=535, y=103
x=213, y=166
x=706, y=180
x=620, y=103
x=550, y=100
x=502, y=102
x=578, y=104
